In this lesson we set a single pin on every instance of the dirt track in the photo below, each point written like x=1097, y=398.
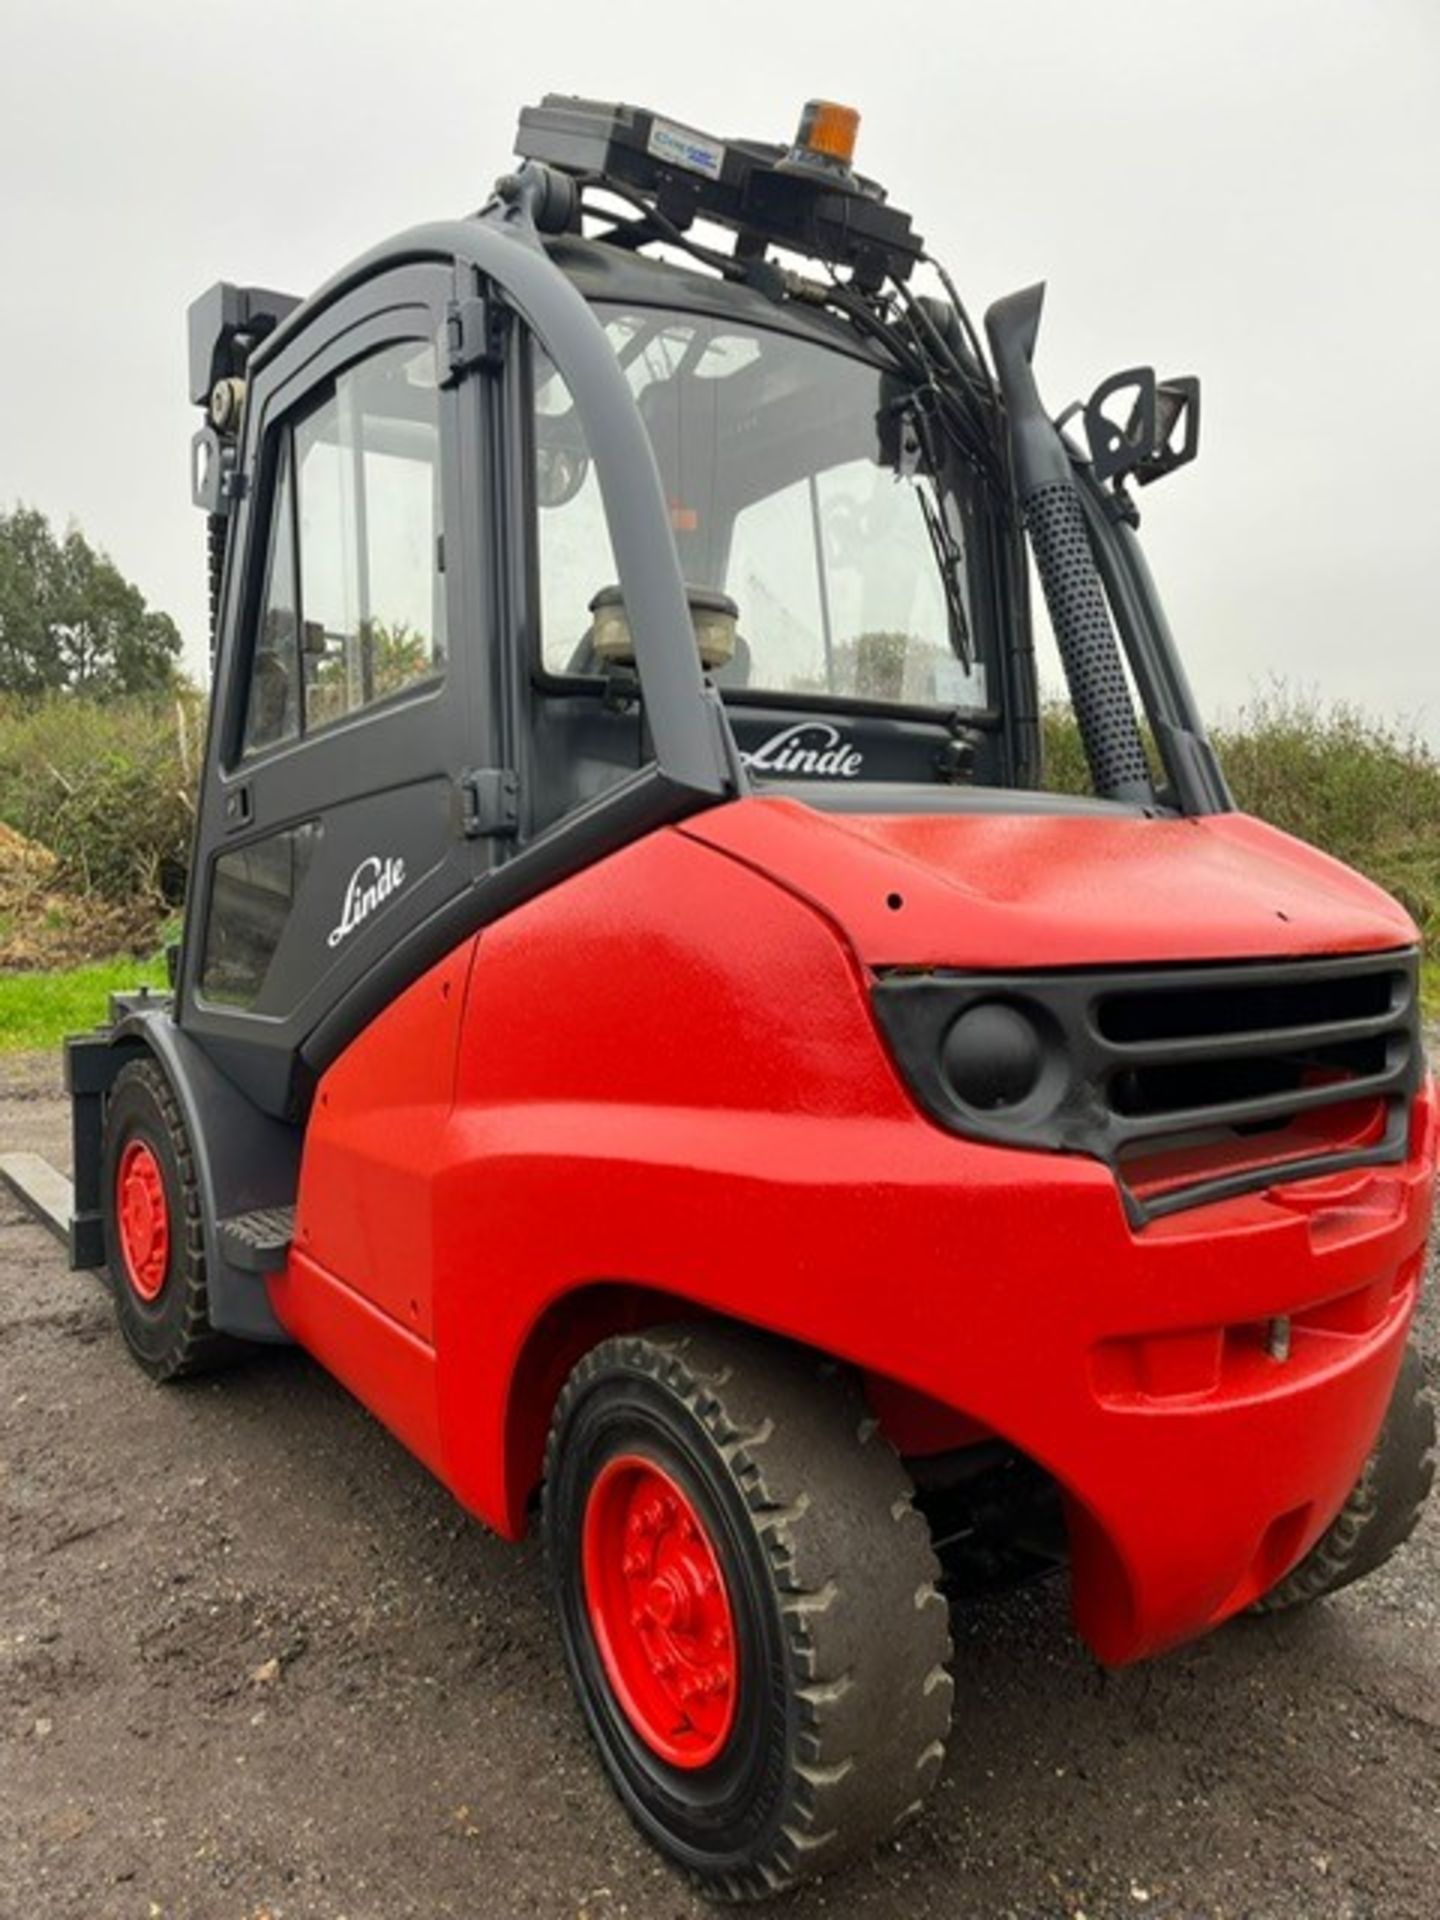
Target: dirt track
x=253, y=1661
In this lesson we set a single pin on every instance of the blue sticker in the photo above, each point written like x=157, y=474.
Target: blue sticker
x=682, y=147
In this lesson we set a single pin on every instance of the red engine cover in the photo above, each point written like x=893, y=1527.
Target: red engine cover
x=1062, y=890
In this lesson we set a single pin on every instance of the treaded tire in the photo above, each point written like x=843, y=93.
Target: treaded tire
x=843, y=1698
x=170, y=1334
x=1385, y=1507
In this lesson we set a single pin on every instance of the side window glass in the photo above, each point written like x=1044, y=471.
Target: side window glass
x=250, y=901
x=272, y=713
x=575, y=555
x=367, y=466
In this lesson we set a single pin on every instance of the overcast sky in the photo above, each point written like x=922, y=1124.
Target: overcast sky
x=1241, y=188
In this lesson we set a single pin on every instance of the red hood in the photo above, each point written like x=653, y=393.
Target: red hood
x=1055, y=890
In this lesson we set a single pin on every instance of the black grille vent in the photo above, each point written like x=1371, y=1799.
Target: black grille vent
x=1257, y=1000
x=1192, y=1083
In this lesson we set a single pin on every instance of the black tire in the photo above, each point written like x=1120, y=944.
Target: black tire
x=843, y=1697
x=1385, y=1507
x=169, y=1334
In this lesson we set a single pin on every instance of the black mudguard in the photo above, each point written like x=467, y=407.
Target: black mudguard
x=244, y=1158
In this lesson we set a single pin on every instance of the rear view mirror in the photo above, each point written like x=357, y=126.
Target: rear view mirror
x=1117, y=449
x=1177, y=427
x=559, y=474
x=1161, y=430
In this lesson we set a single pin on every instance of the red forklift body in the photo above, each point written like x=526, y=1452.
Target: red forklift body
x=707, y=1120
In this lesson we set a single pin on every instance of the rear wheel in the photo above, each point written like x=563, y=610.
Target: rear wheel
x=1385, y=1507
x=154, y=1240
x=748, y=1604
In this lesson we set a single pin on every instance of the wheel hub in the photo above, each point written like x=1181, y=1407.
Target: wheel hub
x=142, y=1216
x=660, y=1611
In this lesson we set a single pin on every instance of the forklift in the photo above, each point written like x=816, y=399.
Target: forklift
x=645, y=1025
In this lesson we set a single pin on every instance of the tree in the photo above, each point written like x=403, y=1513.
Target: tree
x=70, y=621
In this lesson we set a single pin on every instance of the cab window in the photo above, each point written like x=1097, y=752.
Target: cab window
x=272, y=712
x=804, y=484
x=354, y=606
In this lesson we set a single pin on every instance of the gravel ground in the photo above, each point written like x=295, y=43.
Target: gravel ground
x=254, y=1662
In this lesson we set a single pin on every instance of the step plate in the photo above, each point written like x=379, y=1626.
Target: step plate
x=258, y=1242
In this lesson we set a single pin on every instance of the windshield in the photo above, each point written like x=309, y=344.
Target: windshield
x=807, y=485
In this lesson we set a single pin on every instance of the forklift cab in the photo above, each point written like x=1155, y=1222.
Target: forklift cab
x=838, y=578
x=525, y=540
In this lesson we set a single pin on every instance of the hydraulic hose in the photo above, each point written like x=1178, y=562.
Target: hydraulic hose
x=1074, y=595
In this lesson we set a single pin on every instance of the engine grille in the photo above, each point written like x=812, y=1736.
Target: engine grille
x=1192, y=1083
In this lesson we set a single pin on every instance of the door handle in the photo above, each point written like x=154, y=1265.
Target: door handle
x=239, y=806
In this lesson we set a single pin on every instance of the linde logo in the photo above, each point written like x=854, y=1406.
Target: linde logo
x=371, y=885
x=810, y=746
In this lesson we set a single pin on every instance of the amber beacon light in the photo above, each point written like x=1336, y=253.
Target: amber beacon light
x=826, y=136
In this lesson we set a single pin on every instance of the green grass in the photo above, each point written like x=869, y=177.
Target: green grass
x=37, y=1010
x=1430, y=988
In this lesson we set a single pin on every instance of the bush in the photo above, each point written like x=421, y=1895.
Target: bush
x=1366, y=790
x=1065, y=767
x=108, y=787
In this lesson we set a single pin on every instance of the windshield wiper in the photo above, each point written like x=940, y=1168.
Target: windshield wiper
x=951, y=562
x=915, y=461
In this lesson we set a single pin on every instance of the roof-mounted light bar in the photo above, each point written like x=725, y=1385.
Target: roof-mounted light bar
x=806, y=197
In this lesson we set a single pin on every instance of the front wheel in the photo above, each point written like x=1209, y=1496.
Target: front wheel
x=154, y=1241
x=748, y=1604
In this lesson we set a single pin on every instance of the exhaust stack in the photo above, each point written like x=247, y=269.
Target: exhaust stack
x=1055, y=521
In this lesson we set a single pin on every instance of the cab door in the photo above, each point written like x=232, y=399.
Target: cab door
x=355, y=633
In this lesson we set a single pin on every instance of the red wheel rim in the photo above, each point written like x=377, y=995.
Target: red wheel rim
x=142, y=1215
x=660, y=1611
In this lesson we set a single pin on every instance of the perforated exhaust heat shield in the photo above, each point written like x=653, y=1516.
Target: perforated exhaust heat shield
x=1074, y=595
